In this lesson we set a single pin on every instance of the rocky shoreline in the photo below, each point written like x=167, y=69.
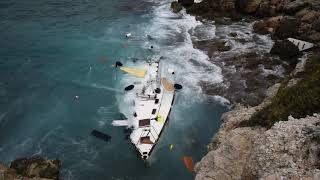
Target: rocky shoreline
x=36, y=168
x=256, y=140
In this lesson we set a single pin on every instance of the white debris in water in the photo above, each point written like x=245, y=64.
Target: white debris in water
x=120, y=123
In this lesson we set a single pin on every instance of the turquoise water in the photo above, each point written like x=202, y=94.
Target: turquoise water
x=53, y=51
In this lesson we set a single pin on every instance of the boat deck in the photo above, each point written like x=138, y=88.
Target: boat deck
x=151, y=112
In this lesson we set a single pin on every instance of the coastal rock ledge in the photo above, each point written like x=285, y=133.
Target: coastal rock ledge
x=288, y=150
x=35, y=168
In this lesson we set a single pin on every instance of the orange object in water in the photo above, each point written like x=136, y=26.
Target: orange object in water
x=188, y=162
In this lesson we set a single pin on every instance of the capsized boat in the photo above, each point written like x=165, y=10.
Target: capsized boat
x=152, y=106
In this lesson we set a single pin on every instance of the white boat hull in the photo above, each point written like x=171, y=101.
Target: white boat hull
x=152, y=106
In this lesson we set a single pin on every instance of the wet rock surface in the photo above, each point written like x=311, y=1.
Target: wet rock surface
x=287, y=51
x=36, y=168
x=289, y=149
x=176, y=7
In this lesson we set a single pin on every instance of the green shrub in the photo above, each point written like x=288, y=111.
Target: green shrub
x=299, y=100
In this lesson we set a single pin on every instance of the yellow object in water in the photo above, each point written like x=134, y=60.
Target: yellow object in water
x=135, y=72
x=160, y=118
x=171, y=147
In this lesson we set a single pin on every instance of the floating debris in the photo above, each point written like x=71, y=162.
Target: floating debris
x=188, y=162
x=100, y=135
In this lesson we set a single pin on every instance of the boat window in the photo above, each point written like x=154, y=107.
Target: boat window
x=154, y=111
x=156, y=101
x=144, y=122
x=135, y=114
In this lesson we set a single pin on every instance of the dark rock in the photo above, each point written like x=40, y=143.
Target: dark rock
x=261, y=27
x=215, y=9
x=264, y=9
x=36, y=167
x=316, y=25
x=186, y=3
x=267, y=26
x=176, y=7
x=315, y=37
x=286, y=50
x=248, y=6
x=211, y=46
x=288, y=27
x=233, y=34
x=295, y=6
x=310, y=17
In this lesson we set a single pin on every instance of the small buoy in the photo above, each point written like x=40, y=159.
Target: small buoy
x=128, y=88
x=171, y=147
x=151, y=47
x=177, y=86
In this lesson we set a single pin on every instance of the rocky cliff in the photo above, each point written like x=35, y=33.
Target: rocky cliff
x=280, y=137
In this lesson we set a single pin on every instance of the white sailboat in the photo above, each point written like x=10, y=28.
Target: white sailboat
x=152, y=107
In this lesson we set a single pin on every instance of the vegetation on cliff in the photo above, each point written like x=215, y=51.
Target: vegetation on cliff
x=298, y=100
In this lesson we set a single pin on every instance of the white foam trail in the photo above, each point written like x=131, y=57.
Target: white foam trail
x=192, y=65
x=120, y=123
x=98, y=86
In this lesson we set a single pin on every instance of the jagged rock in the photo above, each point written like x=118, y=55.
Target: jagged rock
x=316, y=25
x=289, y=149
x=186, y=3
x=176, y=7
x=261, y=27
x=310, y=17
x=286, y=50
x=288, y=27
x=265, y=9
x=248, y=6
x=211, y=46
x=315, y=37
x=295, y=6
x=36, y=167
x=267, y=26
